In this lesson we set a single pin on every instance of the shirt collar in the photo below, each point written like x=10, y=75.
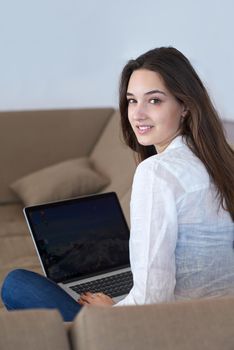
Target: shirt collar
x=177, y=142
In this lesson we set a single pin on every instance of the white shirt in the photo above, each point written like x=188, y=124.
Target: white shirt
x=177, y=231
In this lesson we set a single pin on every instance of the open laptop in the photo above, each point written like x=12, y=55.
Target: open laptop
x=83, y=244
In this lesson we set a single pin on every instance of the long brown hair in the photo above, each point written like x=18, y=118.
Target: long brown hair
x=202, y=127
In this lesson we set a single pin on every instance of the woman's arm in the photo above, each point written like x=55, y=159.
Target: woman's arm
x=153, y=237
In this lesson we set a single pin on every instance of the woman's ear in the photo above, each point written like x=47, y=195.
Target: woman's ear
x=184, y=110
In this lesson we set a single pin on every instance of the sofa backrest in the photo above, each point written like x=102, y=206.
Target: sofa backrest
x=115, y=160
x=31, y=140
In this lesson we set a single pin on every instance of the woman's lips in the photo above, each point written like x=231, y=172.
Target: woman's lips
x=144, y=129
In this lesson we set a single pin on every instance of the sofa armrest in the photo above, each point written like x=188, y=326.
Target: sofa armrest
x=32, y=329
x=205, y=324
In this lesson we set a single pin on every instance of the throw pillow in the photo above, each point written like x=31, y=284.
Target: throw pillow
x=71, y=178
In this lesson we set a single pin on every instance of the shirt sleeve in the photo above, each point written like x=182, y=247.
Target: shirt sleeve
x=154, y=229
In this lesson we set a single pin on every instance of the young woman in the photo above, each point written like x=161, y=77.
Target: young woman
x=182, y=203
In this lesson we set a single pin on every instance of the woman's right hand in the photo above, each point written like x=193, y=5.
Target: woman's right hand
x=95, y=299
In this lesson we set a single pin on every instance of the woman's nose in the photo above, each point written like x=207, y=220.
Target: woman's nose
x=139, y=113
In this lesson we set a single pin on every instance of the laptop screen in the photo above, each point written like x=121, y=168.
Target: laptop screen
x=80, y=237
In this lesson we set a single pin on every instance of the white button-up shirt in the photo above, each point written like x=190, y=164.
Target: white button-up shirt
x=181, y=242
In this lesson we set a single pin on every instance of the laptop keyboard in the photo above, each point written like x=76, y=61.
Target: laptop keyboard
x=113, y=286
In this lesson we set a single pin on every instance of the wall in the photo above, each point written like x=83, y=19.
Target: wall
x=59, y=54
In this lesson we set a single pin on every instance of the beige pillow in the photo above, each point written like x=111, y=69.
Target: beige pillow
x=71, y=178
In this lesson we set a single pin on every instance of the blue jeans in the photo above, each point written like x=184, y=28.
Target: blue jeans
x=24, y=289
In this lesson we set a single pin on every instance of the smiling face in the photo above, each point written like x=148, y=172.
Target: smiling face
x=153, y=112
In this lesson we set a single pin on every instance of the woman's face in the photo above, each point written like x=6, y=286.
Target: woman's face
x=153, y=112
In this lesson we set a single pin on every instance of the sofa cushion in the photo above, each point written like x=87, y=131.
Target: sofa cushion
x=12, y=221
x=32, y=329
x=17, y=252
x=71, y=178
x=201, y=324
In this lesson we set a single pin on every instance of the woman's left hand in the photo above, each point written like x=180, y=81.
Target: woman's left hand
x=95, y=299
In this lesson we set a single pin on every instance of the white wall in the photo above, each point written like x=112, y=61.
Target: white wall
x=69, y=53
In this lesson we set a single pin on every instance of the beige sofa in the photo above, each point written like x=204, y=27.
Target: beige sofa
x=33, y=140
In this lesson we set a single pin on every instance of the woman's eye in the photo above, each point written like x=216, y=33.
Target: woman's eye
x=155, y=101
x=130, y=100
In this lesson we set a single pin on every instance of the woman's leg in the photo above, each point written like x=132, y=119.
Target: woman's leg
x=24, y=289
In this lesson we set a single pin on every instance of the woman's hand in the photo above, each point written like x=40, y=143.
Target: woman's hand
x=95, y=299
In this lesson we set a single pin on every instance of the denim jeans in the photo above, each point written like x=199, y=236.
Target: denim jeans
x=24, y=289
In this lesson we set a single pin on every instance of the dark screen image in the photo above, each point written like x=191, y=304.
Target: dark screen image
x=80, y=238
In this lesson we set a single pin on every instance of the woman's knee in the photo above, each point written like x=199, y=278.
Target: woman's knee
x=11, y=283
x=15, y=275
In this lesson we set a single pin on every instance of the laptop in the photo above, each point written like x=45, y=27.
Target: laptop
x=83, y=244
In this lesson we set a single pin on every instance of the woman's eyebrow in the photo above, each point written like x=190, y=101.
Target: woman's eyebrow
x=149, y=92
